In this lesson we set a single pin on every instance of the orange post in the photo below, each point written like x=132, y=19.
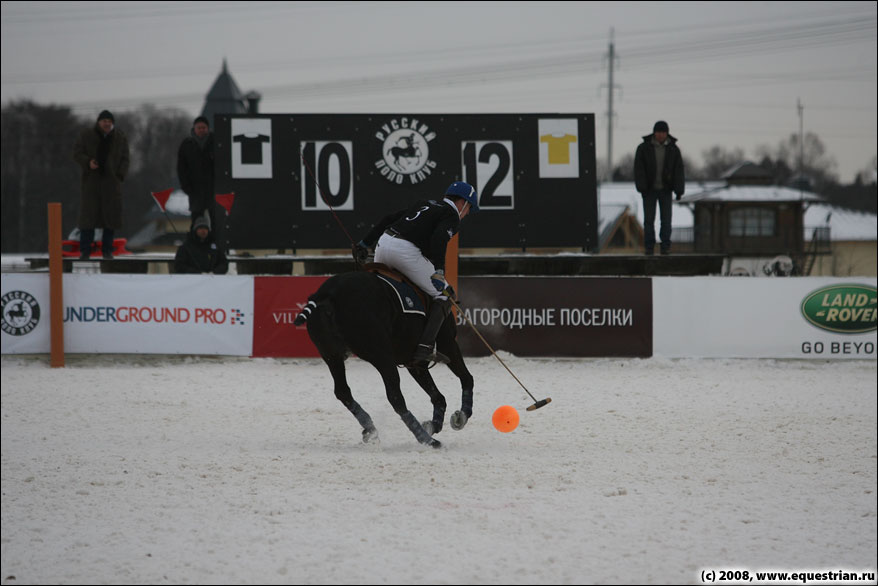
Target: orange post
x=56, y=287
x=451, y=253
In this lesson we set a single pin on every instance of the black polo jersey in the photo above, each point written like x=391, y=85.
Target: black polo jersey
x=428, y=224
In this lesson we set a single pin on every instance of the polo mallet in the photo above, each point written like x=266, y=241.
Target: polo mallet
x=537, y=404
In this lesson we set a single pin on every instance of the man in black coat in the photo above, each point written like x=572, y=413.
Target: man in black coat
x=102, y=153
x=658, y=171
x=195, y=162
x=199, y=253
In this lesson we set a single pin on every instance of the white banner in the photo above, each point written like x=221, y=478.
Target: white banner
x=710, y=317
x=740, y=317
x=141, y=314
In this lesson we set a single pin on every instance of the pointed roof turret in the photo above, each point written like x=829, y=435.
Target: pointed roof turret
x=224, y=97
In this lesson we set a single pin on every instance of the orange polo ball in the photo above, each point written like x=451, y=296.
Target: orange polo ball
x=505, y=418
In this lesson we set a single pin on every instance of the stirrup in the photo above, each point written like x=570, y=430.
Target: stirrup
x=426, y=354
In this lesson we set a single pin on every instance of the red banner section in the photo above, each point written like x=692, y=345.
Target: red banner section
x=527, y=316
x=277, y=301
x=557, y=316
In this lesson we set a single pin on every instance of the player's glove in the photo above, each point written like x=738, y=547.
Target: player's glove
x=438, y=280
x=360, y=252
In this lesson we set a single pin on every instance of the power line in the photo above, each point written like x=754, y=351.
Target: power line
x=567, y=64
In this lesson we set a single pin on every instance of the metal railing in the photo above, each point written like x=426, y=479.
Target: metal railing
x=818, y=239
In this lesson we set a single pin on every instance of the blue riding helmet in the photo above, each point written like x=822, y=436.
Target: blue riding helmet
x=466, y=191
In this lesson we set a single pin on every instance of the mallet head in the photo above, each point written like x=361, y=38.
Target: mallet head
x=539, y=404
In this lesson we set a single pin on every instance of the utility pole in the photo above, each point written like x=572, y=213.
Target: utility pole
x=801, y=109
x=611, y=61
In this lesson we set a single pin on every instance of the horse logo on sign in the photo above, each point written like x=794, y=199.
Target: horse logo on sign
x=405, y=151
x=21, y=313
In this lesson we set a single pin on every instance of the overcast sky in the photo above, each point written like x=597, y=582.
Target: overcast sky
x=720, y=73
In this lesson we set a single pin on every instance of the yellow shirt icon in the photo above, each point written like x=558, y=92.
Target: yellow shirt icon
x=559, y=148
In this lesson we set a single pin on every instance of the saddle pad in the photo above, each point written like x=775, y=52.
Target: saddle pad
x=408, y=299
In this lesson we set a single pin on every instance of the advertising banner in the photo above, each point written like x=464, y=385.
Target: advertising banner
x=278, y=300
x=25, y=303
x=158, y=314
x=814, y=317
x=534, y=175
x=132, y=314
x=557, y=316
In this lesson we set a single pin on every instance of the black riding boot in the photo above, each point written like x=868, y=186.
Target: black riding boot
x=86, y=238
x=107, y=244
x=424, y=352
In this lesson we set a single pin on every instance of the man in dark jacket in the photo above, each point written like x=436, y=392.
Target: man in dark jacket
x=413, y=241
x=199, y=253
x=102, y=153
x=195, y=161
x=658, y=170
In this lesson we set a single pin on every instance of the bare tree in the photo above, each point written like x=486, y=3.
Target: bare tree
x=817, y=165
x=718, y=160
x=36, y=167
x=154, y=137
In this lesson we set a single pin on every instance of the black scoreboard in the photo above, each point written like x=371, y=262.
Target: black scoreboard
x=290, y=173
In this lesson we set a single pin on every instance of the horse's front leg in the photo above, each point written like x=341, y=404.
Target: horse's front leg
x=426, y=382
x=458, y=367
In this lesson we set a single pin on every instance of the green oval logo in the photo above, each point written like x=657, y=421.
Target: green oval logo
x=846, y=309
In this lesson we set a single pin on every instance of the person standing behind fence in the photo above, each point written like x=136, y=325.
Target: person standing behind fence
x=199, y=252
x=102, y=153
x=658, y=170
x=195, y=164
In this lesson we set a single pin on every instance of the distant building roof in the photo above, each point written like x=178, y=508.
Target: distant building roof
x=154, y=232
x=611, y=195
x=752, y=193
x=748, y=173
x=609, y=217
x=844, y=224
x=224, y=97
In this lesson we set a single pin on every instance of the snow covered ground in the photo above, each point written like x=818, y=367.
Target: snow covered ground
x=140, y=469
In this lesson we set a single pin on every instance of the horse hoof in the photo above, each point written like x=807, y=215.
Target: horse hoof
x=428, y=427
x=370, y=435
x=458, y=420
x=435, y=444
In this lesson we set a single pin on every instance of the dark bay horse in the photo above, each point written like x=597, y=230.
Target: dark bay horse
x=359, y=313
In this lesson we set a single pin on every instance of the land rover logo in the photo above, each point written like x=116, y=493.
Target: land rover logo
x=405, y=151
x=21, y=313
x=846, y=309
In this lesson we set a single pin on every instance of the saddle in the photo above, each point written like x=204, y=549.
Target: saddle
x=411, y=298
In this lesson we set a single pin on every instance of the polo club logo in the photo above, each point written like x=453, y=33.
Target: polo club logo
x=21, y=313
x=405, y=151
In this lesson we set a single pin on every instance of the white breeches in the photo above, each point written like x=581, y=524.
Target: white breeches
x=405, y=257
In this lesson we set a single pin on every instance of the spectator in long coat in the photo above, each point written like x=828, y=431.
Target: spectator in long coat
x=195, y=163
x=102, y=153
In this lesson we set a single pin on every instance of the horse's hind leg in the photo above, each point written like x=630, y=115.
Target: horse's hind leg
x=343, y=394
x=425, y=380
x=391, y=383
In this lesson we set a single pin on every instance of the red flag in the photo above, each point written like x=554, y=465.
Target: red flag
x=161, y=197
x=226, y=200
